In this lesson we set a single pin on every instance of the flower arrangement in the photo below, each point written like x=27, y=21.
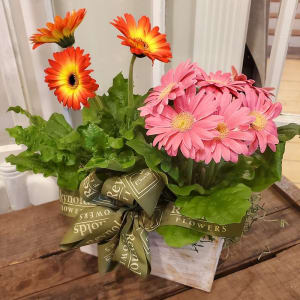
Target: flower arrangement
x=183, y=159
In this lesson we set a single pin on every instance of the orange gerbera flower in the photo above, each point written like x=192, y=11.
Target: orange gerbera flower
x=142, y=40
x=70, y=79
x=61, y=32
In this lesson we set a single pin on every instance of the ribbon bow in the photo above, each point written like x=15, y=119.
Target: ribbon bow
x=119, y=213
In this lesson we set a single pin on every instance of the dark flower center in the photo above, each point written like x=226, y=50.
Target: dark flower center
x=72, y=80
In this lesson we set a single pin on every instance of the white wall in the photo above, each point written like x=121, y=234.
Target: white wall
x=210, y=32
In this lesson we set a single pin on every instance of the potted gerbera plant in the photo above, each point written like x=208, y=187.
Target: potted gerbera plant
x=183, y=159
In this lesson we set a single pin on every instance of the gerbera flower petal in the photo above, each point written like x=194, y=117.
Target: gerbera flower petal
x=68, y=77
x=61, y=31
x=219, y=83
x=173, y=85
x=180, y=129
x=142, y=40
x=263, y=111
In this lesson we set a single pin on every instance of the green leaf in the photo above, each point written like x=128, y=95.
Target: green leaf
x=57, y=126
x=27, y=161
x=53, y=148
x=115, y=103
x=152, y=155
x=270, y=169
x=176, y=236
x=287, y=132
x=258, y=171
x=35, y=120
x=224, y=206
x=116, y=143
x=94, y=137
x=186, y=190
x=69, y=178
x=122, y=162
x=71, y=141
x=92, y=114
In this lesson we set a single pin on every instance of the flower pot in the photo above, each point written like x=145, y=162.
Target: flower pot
x=193, y=265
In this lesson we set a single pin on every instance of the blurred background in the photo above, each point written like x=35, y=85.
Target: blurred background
x=258, y=37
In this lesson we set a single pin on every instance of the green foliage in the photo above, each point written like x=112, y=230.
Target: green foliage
x=270, y=169
x=176, y=236
x=186, y=190
x=258, y=171
x=152, y=155
x=287, y=132
x=53, y=149
x=224, y=206
x=156, y=159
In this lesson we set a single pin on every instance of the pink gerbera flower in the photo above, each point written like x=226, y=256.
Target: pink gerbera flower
x=230, y=139
x=173, y=84
x=218, y=83
x=263, y=128
x=249, y=84
x=186, y=125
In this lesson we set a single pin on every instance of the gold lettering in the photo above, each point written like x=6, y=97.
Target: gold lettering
x=201, y=225
x=110, y=194
x=175, y=210
x=95, y=226
x=217, y=228
x=116, y=189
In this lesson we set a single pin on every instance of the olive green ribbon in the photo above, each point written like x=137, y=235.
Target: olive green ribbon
x=119, y=213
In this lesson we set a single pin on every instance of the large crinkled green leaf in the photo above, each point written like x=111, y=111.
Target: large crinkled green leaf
x=69, y=177
x=176, y=236
x=27, y=161
x=287, y=132
x=57, y=126
x=258, y=171
x=186, y=190
x=123, y=161
x=54, y=148
x=270, y=169
x=34, y=120
x=92, y=114
x=115, y=102
x=224, y=206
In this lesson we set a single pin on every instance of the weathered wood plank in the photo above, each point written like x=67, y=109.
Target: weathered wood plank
x=31, y=233
x=289, y=191
x=265, y=238
x=276, y=279
x=39, y=274
x=92, y=287
x=86, y=288
x=272, y=201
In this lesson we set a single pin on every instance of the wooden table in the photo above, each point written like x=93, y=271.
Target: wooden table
x=33, y=267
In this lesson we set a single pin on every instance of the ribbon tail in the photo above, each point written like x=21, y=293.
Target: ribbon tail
x=105, y=255
x=133, y=250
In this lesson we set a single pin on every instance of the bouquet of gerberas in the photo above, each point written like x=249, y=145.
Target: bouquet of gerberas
x=183, y=159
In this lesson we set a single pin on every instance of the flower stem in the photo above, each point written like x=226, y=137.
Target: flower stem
x=130, y=82
x=189, y=173
x=210, y=174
